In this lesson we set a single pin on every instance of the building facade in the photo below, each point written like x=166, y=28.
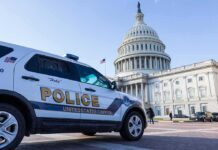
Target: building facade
x=143, y=70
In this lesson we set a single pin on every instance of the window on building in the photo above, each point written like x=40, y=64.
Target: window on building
x=157, y=86
x=150, y=46
x=148, y=63
x=192, y=110
x=140, y=32
x=158, y=110
x=133, y=47
x=137, y=60
x=137, y=47
x=165, y=84
x=141, y=46
x=201, y=78
x=203, y=91
x=146, y=46
x=178, y=94
x=166, y=110
x=143, y=62
x=153, y=62
x=177, y=82
x=166, y=95
x=189, y=80
x=191, y=93
x=154, y=47
x=203, y=107
x=133, y=64
x=157, y=96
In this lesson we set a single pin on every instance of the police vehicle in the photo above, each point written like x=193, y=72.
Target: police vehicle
x=44, y=93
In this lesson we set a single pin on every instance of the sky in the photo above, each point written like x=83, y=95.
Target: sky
x=94, y=29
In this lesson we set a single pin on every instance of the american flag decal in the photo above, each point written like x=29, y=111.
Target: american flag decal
x=10, y=59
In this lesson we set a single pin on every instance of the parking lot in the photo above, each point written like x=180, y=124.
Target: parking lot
x=160, y=136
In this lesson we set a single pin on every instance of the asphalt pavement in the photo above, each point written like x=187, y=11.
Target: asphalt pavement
x=160, y=136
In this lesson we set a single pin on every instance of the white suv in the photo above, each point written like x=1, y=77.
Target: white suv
x=45, y=93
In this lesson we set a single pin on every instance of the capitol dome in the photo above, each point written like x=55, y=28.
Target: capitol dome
x=141, y=50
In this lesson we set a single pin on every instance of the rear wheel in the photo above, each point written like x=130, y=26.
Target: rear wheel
x=89, y=133
x=133, y=127
x=12, y=127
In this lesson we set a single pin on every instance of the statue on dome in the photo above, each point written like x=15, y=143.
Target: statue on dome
x=139, y=8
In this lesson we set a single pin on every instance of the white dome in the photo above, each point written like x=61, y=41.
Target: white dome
x=141, y=50
x=141, y=30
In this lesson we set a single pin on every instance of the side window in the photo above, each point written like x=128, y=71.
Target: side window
x=51, y=66
x=5, y=50
x=90, y=76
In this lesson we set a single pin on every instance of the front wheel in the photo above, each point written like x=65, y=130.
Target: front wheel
x=12, y=127
x=133, y=127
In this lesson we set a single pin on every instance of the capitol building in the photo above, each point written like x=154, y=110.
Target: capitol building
x=142, y=69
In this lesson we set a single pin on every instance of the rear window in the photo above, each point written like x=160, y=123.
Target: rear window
x=5, y=50
x=51, y=66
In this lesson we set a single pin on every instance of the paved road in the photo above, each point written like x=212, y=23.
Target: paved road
x=161, y=136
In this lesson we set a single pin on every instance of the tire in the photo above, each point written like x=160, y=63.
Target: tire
x=128, y=123
x=89, y=133
x=14, y=123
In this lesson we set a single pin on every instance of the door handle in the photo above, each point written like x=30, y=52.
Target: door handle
x=90, y=89
x=30, y=78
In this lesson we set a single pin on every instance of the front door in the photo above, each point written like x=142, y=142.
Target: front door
x=100, y=102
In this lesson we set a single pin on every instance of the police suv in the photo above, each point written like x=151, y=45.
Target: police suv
x=45, y=93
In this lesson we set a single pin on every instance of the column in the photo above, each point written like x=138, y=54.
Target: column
x=127, y=89
x=120, y=66
x=127, y=64
x=197, y=91
x=142, y=92
x=164, y=64
x=161, y=67
x=135, y=63
x=140, y=62
x=136, y=89
x=131, y=91
x=145, y=61
x=150, y=63
x=146, y=92
x=186, y=88
x=172, y=90
x=156, y=65
x=121, y=89
x=132, y=60
x=208, y=82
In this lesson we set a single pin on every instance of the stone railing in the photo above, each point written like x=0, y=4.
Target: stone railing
x=185, y=68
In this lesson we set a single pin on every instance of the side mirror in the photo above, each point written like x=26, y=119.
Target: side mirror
x=113, y=85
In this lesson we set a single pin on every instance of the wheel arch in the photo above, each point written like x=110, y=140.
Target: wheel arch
x=137, y=109
x=23, y=105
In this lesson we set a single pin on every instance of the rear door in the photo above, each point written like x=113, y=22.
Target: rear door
x=50, y=85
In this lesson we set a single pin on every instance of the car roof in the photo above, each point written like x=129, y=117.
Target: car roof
x=23, y=49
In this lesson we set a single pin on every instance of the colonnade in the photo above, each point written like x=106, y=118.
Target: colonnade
x=142, y=62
